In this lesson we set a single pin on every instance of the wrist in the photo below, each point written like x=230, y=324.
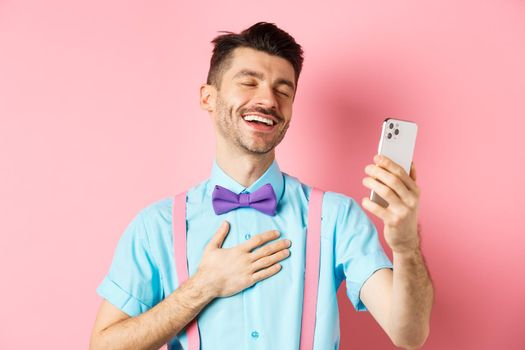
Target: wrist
x=408, y=252
x=407, y=247
x=203, y=284
x=193, y=294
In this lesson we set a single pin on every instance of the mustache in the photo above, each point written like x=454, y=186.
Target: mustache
x=262, y=111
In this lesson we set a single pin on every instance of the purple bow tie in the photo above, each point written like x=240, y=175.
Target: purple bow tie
x=264, y=200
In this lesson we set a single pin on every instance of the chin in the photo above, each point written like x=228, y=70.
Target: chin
x=258, y=149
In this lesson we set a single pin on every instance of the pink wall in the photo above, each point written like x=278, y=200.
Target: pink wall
x=99, y=111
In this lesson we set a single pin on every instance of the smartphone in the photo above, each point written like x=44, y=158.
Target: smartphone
x=397, y=142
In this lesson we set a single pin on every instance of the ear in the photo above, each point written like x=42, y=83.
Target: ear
x=208, y=94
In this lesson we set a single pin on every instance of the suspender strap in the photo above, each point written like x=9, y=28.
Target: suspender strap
x=181, y=262
x=311, y=278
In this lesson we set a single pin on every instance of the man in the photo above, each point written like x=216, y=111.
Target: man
x=247, y=277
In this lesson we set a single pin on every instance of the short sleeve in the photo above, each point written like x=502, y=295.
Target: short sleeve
x=358, y=250
x=133, y=282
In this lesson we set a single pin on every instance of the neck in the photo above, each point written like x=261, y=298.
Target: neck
x=245, y=168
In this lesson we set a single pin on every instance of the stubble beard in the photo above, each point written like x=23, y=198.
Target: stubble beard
x=228, y=124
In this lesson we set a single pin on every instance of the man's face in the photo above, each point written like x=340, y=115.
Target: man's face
x=255, y=85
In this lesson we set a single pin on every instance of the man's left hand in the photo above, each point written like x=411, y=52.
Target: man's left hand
x=389, y=180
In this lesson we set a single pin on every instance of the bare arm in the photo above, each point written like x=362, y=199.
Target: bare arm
x=155, y=327
x=221, y=273
x=401, y=301
x=412, y=298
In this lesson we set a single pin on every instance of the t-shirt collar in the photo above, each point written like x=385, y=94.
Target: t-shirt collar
x=272, y=175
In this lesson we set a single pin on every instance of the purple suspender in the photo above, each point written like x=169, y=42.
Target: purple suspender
x=311, y=278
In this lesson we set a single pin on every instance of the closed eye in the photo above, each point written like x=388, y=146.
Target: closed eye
x=283, y=93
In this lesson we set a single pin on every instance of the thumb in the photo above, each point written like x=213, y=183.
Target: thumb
x=218, y=239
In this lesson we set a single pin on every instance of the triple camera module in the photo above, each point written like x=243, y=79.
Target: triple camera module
x=390, y=127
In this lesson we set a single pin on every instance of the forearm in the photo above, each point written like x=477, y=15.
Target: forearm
x=412, y=299
x=155, y=327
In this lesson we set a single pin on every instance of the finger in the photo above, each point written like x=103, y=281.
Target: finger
x=265, y=273
x=270, y=249
x=267, y=261
x=396, y=169
x=218, y=238
x=375, y=208
x=383, y=190
x=413, y=171
x=391, y=181
x=259, y=240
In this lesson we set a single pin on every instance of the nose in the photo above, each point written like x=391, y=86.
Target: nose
x=265, y=97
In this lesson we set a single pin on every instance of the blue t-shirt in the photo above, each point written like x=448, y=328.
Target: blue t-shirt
x=268, y=314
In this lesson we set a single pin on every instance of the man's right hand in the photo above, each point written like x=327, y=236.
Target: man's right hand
x=221, y=273
x=227, y=271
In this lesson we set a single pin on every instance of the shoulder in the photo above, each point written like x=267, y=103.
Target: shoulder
x=157, y=215
x=161, y=209
x=337, y=207
x=149, y=221
x=157, y=210
x=332, y=201
x=337, y=202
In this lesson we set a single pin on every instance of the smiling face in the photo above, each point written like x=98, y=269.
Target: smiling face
x=252, y=106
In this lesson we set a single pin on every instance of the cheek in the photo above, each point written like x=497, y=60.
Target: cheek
x=238, y=101
x=286, y=110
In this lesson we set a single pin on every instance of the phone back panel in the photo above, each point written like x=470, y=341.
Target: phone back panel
x=397, y=142
x=400, y=147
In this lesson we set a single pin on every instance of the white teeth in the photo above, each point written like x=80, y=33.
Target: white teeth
x=250, y=117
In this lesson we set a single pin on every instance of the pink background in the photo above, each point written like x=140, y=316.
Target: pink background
x=99, y=117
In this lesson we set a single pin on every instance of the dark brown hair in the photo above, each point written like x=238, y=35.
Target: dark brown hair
x=262, y=36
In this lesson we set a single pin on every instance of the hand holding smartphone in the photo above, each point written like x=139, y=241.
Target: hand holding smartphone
x=397, y=142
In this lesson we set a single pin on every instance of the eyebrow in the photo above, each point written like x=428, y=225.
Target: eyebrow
x=260, y=76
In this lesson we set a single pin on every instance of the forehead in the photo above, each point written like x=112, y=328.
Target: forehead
x=271, y=66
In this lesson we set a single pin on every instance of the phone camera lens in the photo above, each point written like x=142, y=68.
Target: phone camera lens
x=389, y=135
x=391, y=126
x=396, y=131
